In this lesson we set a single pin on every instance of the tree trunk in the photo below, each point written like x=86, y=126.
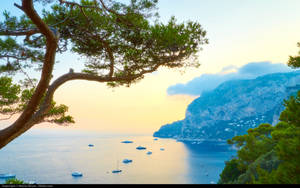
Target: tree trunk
x=23, y=123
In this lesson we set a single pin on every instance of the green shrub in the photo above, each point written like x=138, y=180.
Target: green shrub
x=14, y=181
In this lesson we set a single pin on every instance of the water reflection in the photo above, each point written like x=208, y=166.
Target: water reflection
x=205, y=161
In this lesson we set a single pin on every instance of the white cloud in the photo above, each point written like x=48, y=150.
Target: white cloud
x=208, y=82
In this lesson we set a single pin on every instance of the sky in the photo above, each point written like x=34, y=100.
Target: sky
x=240, y=32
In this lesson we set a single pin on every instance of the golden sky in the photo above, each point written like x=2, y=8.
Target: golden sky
x=143, y=107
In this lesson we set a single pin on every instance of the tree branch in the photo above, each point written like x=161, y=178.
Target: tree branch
x=18, y=6
x=79, y=6
x=110, y=10
x=109, y=52
x=19, y=33
x=12, y=56
x=45, y=107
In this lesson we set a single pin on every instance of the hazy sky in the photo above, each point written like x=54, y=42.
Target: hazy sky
x=239, y=32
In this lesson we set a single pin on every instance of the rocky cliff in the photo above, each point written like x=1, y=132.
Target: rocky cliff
x=234, y=107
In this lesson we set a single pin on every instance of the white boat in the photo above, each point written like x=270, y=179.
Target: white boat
x=127, y=142
x=116, y=171
x=141, y=148
x=7, y=176
x=127, y=161
x=77, y=174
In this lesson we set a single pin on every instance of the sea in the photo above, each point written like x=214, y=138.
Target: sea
x=50, y=157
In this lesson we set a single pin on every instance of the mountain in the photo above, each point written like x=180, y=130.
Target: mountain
x=234, y=107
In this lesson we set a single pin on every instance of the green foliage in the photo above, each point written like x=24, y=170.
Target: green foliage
x=57, y=114
x=268, y=154
x=9, y=96
x=8, y=91
x=14, y=99
x=253, y=144
x=231, y=172
x=17, y=55
x=294, y=62
x=256, y=172
x=291, y=114
x=14, y=181
x=127, y=38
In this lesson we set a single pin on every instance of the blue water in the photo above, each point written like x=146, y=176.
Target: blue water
x=49, y=157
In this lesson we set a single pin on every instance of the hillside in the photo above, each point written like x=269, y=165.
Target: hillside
x=234, y=107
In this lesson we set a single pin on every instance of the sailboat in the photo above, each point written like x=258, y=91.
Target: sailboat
x=117, y=170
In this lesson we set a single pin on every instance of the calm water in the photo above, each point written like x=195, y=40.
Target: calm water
x=51, y=157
